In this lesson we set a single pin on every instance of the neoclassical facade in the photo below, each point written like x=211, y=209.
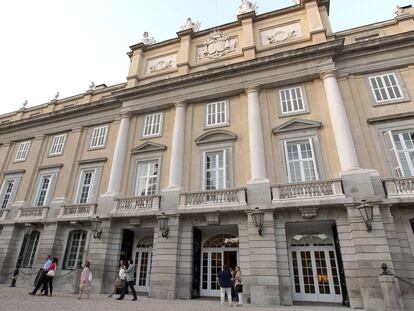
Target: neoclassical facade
x=269, y=143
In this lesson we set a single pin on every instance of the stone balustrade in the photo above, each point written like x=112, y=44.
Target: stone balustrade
x=37, y=213
x=307, y=190
x=399, y=187
x=132, y=204
x=226, y=197
x=78, y=210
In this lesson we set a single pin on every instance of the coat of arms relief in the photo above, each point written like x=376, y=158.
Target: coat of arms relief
x=217, y=46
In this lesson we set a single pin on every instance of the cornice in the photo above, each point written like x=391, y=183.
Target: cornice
x=402, y=115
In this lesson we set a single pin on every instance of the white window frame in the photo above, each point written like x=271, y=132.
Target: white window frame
x=315, y=164
x=394, y=154
x=69, y=247
x=27, y=261
x=58, y=143
x=52, y=174
x=23, y=151
x=93, y=187
x=290, y=90
x=151, y=126
x=99, y=136
x=228, y=166
x=11, y=195
x=399, y=85
x=136, y=179
x=208, y=123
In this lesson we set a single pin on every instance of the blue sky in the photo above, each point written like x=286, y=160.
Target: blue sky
x=55, y=45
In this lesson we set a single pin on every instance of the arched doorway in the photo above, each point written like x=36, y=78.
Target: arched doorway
x=142, y=263
x=314, y=268
x=217, y=250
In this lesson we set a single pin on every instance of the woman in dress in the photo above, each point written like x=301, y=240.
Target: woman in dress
x=84, y=280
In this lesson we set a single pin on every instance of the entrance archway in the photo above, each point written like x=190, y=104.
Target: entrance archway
x=314, y=268
x=217, y=250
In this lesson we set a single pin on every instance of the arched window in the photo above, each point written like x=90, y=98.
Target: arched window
x=75, y=249
x=311, y=239
x=28, y=250
x=222, y=241
x=145, y=242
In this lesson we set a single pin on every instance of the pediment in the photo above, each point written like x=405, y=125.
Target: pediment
x=149, y=147
x=216, y=136
x=297, y=125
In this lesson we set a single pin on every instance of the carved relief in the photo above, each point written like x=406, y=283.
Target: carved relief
x=281, y=34
x=161, y=64
x=217, y=46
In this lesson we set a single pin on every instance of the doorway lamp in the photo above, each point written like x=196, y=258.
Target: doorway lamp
x=96, y=223
x=258, y=220
x=28, y=228
x=163, y=224
x=367, y=213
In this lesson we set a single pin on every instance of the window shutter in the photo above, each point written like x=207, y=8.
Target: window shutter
x=227, y=175
x=393, y=154
x=14, y=191
x=95, y=185
x=314, y=158
x=287, y=161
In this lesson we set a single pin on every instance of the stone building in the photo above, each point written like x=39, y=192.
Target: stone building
x=270, y=142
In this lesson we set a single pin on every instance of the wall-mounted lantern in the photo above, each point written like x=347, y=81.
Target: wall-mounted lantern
x=96, y=227
x=258, y=220
x=163, y=224
x=367, y=213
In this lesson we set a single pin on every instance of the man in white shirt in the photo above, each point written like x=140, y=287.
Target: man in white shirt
x=42, y=275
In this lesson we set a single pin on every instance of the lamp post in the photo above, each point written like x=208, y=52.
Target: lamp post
x=163, y=224
x=367, y=213
x=96, y=227
x=258, y=220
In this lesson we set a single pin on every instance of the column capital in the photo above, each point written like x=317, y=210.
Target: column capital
x=180, y=104
x=327, y=74
x=125, y=113
x=250, y=89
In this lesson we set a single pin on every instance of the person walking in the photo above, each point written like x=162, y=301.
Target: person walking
x=224, y=278
x=48, y=282
x=118, y=283
x=85, y=279
x=129, y=278
x=238, y=286
x=41, y=277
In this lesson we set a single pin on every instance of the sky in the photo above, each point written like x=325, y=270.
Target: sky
x=49, y=46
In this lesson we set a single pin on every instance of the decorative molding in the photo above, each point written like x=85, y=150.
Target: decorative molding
x=216, y=136
x=86, y=161
x=213, y=219
x=148, y=147
x=195, y=26
x=216, y=46
x=308, y=212
x=281, y=34
x=135, y=222
x=12, y=172
x=296, y=125
x=391, y=117
x=246, y=7
x=45, y=167
x=161, y=64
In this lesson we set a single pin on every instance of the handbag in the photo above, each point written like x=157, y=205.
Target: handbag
x=90, y=277
x=239, y=288
x=51, y=273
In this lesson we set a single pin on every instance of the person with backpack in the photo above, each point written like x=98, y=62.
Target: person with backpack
x=85, y=279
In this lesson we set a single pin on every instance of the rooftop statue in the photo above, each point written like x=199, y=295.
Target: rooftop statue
x=245, y=7
x=146, y=39
x=195, y=26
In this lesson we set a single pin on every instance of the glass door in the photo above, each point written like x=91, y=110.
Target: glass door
x=142, y=268
x=212, y=263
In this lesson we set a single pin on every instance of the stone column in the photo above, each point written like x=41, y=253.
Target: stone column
x=177, y=148
x=340, y=125
x=257, y=153
x=117, y=168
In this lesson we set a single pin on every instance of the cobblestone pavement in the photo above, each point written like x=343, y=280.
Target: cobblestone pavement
x=18, y=299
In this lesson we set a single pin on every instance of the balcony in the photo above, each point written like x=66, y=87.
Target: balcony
x=235, y=197
x=401, y=187
x=136, y=206
x=76, y=212
x=32, y=214
x=308, y=193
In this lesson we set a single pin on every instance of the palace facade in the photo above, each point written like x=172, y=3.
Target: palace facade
x=271, y=143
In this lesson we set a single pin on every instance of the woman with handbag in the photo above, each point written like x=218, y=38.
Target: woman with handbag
x=85, y=279
x=48, y=282
x=119, y=283
x=239, y=286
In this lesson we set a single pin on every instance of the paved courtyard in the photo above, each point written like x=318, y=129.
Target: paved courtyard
x=17, y=299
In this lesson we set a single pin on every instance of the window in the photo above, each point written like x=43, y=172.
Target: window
x=88, y=185
x=8, y=190
x=386, y=87
x=99, y=136
x=28, y=250
x=23, y=151
x=45, y=188
x=216, y=113
x=57, y=144
x=300, y=158
x=412, y=224
x=216, y=169
x=291, y=100
x=147, y=178
x=400, y=147
x=75, y=249
x=152, y=124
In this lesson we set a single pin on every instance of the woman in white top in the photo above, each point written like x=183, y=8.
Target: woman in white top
x=238, y=285
x=119, y=283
